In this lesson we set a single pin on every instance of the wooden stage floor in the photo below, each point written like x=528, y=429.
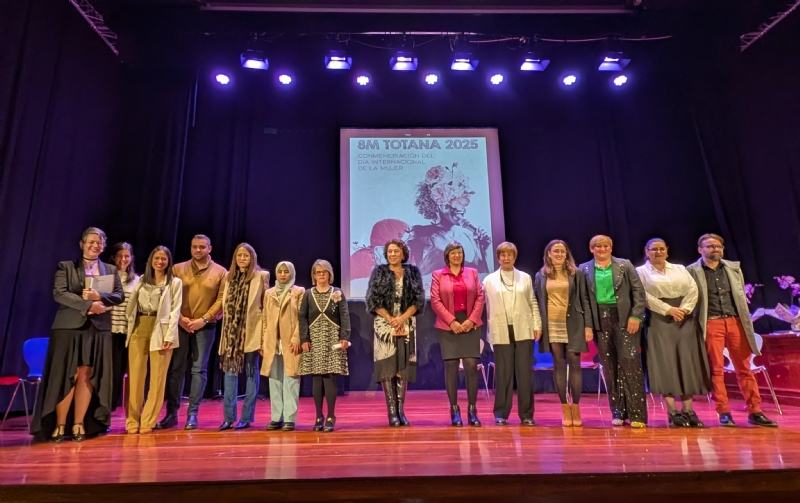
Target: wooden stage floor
x=365, y=460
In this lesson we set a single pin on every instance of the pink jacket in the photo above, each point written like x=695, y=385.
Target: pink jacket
x=442, y=297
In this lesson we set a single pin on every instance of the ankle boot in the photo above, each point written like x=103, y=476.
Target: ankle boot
x=576, y=415
x=401, y=397
x=472, y=414
x=566, y=415
x=391, y=402
x=455, y=416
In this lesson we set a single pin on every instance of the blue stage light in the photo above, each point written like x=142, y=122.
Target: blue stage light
x=338, y=60
x=403, y=61
x=255, y=60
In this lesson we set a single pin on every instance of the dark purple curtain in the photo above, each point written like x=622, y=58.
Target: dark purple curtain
x=703, y=140
x=58, y=132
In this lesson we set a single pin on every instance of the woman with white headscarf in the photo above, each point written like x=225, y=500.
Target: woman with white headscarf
x=281, y=347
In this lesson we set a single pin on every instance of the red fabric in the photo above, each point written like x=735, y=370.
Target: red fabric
x=459, y=291
x=8, y=380
x=728, y=332
x=443, y=296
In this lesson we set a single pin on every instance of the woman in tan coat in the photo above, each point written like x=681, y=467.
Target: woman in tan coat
x=239, y=347
x=281, y=347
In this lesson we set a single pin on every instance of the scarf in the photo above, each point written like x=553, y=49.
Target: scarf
x=233, y=332
x=282, y=288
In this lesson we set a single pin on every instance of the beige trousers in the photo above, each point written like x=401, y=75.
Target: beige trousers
x=139, y=353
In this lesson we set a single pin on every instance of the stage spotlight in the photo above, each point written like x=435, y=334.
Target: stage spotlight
x=403, y=61
x=463, y=61
x=613, y=62
x=362, y=80
x=431, y=79
x=496, y=79
x=533, y=62
x=255, y=60
x=620, y=80
x=338, y=60
x=285, y=79
x=223, y=79
x=570, y=80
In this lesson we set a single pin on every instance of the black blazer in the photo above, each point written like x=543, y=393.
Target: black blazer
x=68, y=291
x=579, y=313
x=628, y=290
x=335, y=311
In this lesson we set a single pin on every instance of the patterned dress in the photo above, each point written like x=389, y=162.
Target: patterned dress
x=323, y=359
x=394, y=354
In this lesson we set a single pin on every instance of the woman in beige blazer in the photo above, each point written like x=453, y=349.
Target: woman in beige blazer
x=240, y=344
x=281, y=347
x=153, y=312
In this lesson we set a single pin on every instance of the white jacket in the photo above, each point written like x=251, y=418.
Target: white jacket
x=167, y=317
x=524, y=312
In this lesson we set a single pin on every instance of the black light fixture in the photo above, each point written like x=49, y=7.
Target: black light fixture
x=254, y=59
x=614, y=61
x=534, y=62
x=338, y=60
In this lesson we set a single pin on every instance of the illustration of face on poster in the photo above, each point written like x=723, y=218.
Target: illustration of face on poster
x=428, y=192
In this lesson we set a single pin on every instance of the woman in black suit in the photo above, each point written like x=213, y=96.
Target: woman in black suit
x=563, y=298
x=78, y=367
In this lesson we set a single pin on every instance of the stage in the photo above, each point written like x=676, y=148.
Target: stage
x=365, y=460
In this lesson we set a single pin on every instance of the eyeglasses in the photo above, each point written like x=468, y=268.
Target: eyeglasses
x=713, y=247
x=657, y=249
x=320, y=273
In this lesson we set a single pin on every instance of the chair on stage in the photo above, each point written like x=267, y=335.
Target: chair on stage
x=481, y=368
x=34, y=352
x=756, y=369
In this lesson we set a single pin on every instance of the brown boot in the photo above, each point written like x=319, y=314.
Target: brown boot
x=566, y=415
x=576, y=415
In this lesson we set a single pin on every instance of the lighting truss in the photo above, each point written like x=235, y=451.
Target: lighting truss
x=95, y=20
x=751, y=38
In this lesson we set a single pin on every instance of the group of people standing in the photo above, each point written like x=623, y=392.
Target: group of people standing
x=166, y=319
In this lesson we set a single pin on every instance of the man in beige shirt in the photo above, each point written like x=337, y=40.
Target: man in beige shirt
x=201, y=309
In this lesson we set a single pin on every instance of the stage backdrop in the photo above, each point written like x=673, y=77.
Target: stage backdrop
x=706, y=143
x=428, y=187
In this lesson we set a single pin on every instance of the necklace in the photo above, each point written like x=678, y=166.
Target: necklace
x=508, y=286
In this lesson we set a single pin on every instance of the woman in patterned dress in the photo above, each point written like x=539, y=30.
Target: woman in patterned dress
x=563, y=298
x=395, y=296
x=325, y=337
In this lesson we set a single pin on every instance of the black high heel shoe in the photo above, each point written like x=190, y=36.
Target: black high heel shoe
x=329, y=424
x=694, y=421
x=675, y=418
x=318, y=424
x=472, y=415
x=58, y=433
x=455, y=416
x=78, y=433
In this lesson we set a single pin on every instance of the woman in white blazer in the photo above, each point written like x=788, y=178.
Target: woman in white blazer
x=513, y=324
x=153, y=312
x=240, y=344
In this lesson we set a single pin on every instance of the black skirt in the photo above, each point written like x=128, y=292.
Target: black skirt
x=68, y=350
x=456, y=346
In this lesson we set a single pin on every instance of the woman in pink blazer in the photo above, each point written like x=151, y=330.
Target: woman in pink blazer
x=457, y=300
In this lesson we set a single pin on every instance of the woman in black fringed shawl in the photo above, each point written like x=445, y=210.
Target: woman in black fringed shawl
x=395, y=296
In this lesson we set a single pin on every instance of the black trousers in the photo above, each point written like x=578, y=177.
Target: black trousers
x=514, y=360
x=622, y=367
x=119, y=363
